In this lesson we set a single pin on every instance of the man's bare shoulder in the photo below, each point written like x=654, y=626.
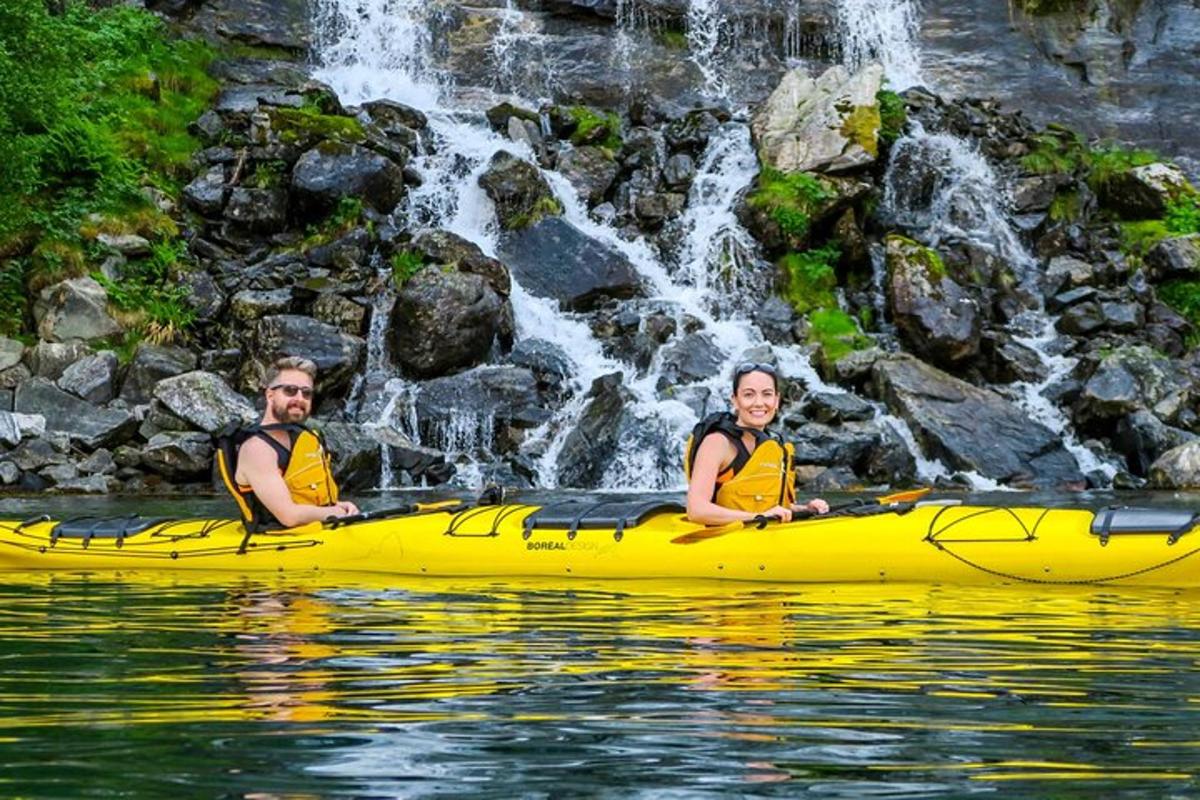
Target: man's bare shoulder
x=255, y=452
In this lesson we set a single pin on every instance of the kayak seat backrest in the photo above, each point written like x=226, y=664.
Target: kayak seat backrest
x=609, y=515
x=1117, y=520
x=88, y=528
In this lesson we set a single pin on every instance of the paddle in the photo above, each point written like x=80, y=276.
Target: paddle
x=761, y=521
x=398, y=511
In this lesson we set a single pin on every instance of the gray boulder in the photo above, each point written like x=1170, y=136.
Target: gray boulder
x=521, y=194
x=16, y=427
x=694, y=357
x=1144, y=192
x=971, y=428
x=1177, y=257
x=11, y=352
x=337, y=354
x=92, y=378
x=74, y=309
x=1127, y=379
x=591, y=170
x=482, y=402
x=1142, y=438
x=50, y=359
x=179, y=456
x=152, y=363
x=938, y=318
x=207, y=193
x=257, y=210
x=447, y=320
x=555, y=259
x=450, y=249
x=1178, y=468
x=204, y=400
x=333, y=170
x=591, y=446
x=85, y=424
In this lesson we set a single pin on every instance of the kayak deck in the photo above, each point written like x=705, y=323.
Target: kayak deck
x=925, y=542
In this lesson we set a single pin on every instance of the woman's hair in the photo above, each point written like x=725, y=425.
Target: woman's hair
x=750, y=366
x=305, y=365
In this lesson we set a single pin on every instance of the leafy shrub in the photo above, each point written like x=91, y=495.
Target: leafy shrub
x=790, y=199
x=405, y=264
x=810, y=279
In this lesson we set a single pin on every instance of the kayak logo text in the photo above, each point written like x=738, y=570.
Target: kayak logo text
x=545, y=546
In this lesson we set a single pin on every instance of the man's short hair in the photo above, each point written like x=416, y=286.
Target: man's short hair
x=305, y=365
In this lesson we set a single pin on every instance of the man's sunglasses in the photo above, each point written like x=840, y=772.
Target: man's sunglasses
x=291, y=390
x=751, y=366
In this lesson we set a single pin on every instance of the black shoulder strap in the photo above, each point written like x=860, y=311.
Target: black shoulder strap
x=724, y=423
x=283, y=455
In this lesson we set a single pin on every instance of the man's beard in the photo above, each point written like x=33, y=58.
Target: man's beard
x=282, y=413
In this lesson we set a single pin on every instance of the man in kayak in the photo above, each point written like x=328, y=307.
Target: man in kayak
x=281, y=470
x=736, y=469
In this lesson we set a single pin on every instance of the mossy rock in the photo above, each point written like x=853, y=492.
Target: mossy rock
x=305, y=127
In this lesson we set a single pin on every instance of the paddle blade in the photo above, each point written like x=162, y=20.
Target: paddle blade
x=909, y=496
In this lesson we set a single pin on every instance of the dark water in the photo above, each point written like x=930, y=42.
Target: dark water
x=144, y=685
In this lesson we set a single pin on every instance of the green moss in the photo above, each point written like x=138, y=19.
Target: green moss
x=13, y=297
x=546, y=206
x=269, y=174
x=1184, y=297
x=1111, y=160
x=307, y=125
x=861, y=126
x=893, y=116
x=1183, y=215
x=809, y=279
x=345, y=217
x=1066, y=207
x=1055, y=150
x=928, y=259
x=405, y=264
x=672, y=39
x=790, y=199
x=1140, y=237
x=586, y=123
x=835, y=333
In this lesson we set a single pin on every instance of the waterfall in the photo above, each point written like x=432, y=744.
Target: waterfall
x=884, y=32
x=704, y=24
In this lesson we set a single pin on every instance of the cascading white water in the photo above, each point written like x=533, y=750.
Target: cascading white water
x=392, y=60
x=884, y=32
x=704, y=23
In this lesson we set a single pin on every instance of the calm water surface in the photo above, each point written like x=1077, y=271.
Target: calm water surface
x=152, y=685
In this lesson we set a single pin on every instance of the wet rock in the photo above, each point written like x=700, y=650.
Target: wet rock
x=267, y=23
x=444, y=247
x=1177, y=257
x=479, y=404
x=499, y=115
x=549, y=364
x=444, y=321
x=85, y=424
x=1142, y=438
x=891, y=463
x=357, y=456
x=591, y=170
x=1067, y=272
x=691, y=132
x=1144, y=192
x=340, y=312
x=1178, y=468
x=32, y=455
x=679, y=172
x=938, y=318
x=845, y=445
x=179, y=456
x=204, y=400
x=555, y=259
x=16, y=427
x=74, y=309
x=257, y=210
x=207, y=193
x=250, y=305
x=827, y=124
x=521, y=194
x=333, y=170
x=152, y=363
x=971, y=428
x=337, y=355
x=1127, y=379
x=395, y=118
x=1123, y=317
x=591, y=447
x=835, y=408
x=653, y=209
x=1005, y=360
x=1081, y=319
x=695, y=357
x=1036, y=192
x=92, y=377
x=98, y=463
x=776, y=319
x=1070, y=298
x=86, y=484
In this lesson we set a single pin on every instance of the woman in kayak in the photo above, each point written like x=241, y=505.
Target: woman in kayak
x=736, y=469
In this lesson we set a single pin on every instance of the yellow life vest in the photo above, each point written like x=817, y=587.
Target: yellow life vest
x=755, y=481
x=305, y=467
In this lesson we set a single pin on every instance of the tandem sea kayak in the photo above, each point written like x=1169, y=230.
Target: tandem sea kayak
x=923, y=542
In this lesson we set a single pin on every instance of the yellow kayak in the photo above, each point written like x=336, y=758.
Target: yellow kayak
x=926, y=542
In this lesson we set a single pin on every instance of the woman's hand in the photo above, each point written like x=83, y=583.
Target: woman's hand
x=816, y=506
x=782, y=513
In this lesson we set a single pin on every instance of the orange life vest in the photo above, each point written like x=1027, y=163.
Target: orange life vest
x=755, y=481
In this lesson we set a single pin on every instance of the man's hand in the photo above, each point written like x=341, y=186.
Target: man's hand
x=343, y=508
x=817, y=506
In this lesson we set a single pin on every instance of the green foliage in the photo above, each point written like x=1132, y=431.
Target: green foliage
x=94, y=104
x=307, y=125
x=893, y=115
x=1065, y=207
x=155, y=304
x=1055, y=150
x=12, y=296
x=1184, y=297
x=586, y=123
x=672, y=39
x=836, y=333
x=862, y=126
x=810, y=279
x=790, y=199
x=1139, y=238
x=269, y=174
x=1183, y=215
x=344, y=218
x=545, y=206
x=1111, y=160
x=405, y=264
